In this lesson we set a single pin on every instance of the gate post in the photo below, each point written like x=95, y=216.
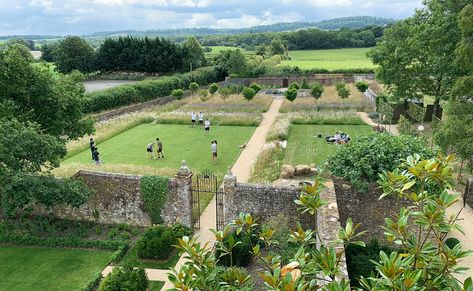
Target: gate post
x=229, y=192
x=183, y=180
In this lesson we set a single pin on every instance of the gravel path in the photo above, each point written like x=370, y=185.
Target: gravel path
x=364, y=116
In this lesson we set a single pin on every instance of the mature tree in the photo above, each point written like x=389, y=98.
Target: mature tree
x=456, y=133
x=37, y=95
x=278, y=46
x=27, y=43
x=48, y=51
x=193, y=53
x=317, y=90
x=261, y=50
x=416, y=56
x=233, y=61
x=74, y=53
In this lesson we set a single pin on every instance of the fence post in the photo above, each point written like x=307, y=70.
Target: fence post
x=183, y=180
x=229, y=192
x=468, y=195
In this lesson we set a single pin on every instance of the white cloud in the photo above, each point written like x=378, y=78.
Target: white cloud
x=329, y=3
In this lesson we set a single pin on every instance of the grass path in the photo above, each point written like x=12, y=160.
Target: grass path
x=392, y=128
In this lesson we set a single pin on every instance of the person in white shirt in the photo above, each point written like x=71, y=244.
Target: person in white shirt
x=201, y=119
x=213, y=148
x=207, y=126
x=193, y=118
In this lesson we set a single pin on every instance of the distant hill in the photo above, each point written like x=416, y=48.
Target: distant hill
x=331, y=24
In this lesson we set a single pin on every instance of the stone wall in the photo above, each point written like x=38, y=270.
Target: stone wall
x=117, y=199
x=366, y=208
x=262, y=201
x=325, y=79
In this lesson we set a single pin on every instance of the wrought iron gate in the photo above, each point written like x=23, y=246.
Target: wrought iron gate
x=205, y=187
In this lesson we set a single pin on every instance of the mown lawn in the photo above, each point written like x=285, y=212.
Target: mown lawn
x=32, y=268
x=334, y=59
x=180, y=142
x=304, y=147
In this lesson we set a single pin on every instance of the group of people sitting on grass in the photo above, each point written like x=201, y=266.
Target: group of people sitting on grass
x=203, y=124
x=159, y=149
x=338, y=138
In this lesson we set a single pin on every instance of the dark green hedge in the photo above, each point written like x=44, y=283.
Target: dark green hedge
x=154, y=192
x=150, y=89
x=126, y=278
x=157, y=243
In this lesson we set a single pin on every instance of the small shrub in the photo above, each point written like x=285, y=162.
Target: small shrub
x=405, y=126
x=291, y=94
x=126, y=278
x=193, y=87
x=178, y=93
x=362, y=86
x=304, y=84
x=373, y=115
x=248, y=94
x=317, y=90
x=213, y=88
x=157, y=242
x=342, y=90
x=255, y=87
x=452, y=242
x=204, y=95
x=362, y=160
x=294, y=85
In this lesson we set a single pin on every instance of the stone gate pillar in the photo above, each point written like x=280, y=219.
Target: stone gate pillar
x=183, y=199
x=229, y=192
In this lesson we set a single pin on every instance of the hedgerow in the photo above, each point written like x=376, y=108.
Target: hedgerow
x=149, y=89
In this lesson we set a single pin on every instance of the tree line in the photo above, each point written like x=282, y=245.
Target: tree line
x=153, y=55
x=304, y=39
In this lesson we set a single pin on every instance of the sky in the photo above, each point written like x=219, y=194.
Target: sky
x=60, y=17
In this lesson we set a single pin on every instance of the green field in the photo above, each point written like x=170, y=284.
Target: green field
x=217, y=49
x=335, y=59
x=32, y=268
x=180, y=142
x=304, y=147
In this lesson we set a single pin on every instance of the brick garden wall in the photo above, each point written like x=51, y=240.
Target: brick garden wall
x=325, y=79
x=366, y=208
x=117, y=199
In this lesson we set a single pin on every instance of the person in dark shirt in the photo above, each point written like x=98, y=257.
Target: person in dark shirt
x=92, y=147
x=96, y=155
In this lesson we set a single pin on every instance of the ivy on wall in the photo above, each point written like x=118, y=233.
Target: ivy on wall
x=154, y=192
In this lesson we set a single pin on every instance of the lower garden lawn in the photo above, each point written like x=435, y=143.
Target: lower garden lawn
x=304, y=147
x=32, y=268
x=180, y=142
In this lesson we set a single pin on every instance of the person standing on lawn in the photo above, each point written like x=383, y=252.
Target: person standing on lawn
x=207, y=126
x=96, y=156
x=213, y=148
x=201, y=119
x=149, y=150
x=92, y=147
x=193, y=118
x=160, y=148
